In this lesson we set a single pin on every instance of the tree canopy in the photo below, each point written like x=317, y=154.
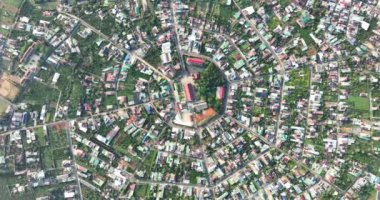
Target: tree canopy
x=210, y=80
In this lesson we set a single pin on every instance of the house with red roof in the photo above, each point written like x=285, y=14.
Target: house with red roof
x=220, y=93
x=195, y=61
x=189, y=92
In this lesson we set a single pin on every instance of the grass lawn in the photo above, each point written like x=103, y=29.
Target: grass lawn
x=8, y=11
x=47, y=158
x=222, y=12
x=110, y=100
x=90, y=194
x=76, y=95
x=363, y=152
x=299, y=78
x=150, y=159
x=273, y=23
x=122, y=143
x=284, y=3
x=9, y=180
x=193, y=176
x=373, y=194
x=142, y=190
x=376, y=134
x=201, y=8
x=129, y=87
x=231, y=57
x=245, y=48
x=13, y=3
x=57, y=139
x=130, y=82
x=107, y=26
x=48, y=5
x=305, y=34
x=31, y=11
x=47, y=191
x=346, y=180
x=40, y=136
x=244, y=3
x=360, y=103
x=40, y=94
x=153, y=57
x=3, y=31
x=61, y=153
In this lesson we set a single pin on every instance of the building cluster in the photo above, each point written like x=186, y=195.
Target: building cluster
x=192, y=100
x=35, y=156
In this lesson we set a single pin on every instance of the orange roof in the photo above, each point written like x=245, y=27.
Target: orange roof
x=206, y=114
x=131, y=120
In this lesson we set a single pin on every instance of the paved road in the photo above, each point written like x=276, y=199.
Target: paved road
x=171, y=184
x=89, y=185
x=285, y=153
x=75, y=166
x=280, y=63
x=253, y=26
x=79, y=118
x=180, y=155
x=117, y=45
x=170, y=81
x=177, y=42
x=282, y=72
x=308, y=109
x=241, y=168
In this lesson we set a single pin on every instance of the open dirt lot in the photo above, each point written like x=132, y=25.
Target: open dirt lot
x=8, y=10
x=8, y=89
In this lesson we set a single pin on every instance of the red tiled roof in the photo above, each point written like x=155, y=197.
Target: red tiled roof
x=195, y=61
x=189, y=92
x=220, y=91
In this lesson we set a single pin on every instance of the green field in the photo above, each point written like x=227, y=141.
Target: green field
x=142, y=191
x=48, y=5
x=363, y=152
x=39, y=94
x=245, y=48
x=150, y=159
x=57, y=139
x=90, y=194
x=231, y=57
x=47, y=158
x=244, y=3
x=153, y=57
x=201, y=9
x=305, y=34
x=273, y=23
x=345, y=180
x=8, y=180
x=110, y=100
x=8, y=10
x=284, y=3
x=40, y=136
x=57, y=149
x=3, y=106
x=222, y=12
x=299, y=78
x=194, y=175
x=360, y=103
